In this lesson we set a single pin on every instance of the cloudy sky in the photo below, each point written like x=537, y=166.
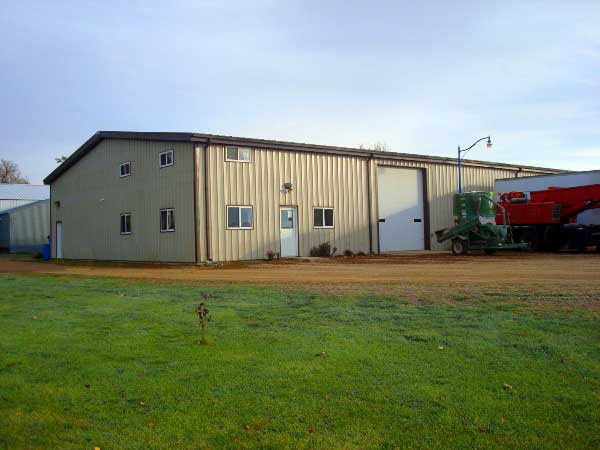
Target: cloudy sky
x=422, y=77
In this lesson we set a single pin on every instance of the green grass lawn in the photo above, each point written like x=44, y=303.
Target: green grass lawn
x=117, y=365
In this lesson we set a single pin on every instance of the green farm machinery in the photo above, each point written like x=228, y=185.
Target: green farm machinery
x=476, y=229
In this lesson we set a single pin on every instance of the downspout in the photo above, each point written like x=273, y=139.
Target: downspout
x=207, y=203
x=369, y=202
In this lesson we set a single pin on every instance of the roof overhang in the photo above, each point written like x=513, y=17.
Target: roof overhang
x=99, y=136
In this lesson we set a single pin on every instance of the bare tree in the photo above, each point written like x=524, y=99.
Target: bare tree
x=61, y=159
x=380, y=147
x=10, y=173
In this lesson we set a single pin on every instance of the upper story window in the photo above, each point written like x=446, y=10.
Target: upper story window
x=239, y=154
x=167, y=158
x=167, y=220
x=239, y=217
x=323, y=217
x=125, y=169
x=126, y=223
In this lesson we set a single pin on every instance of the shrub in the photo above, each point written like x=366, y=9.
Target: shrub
x=270, y=254
x=348, y=252
x=323, y=249
x=361, y=253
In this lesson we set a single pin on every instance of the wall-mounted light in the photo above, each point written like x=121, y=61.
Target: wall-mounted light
x=57, y=203
x=288, y=187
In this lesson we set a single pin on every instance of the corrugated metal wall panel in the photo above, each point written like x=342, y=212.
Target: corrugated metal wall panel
x=30, y=227
x=318, y=180
x=442, y=183
x=92, y=197
x=9, y=204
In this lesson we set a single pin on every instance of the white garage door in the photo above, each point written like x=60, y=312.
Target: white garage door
x=401, y=216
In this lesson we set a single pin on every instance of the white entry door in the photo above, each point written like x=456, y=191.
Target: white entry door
x=401, y=211
x=59, y=240
x=288, y=229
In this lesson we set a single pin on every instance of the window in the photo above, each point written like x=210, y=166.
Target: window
x=323, y=217
x=167, y=158
x=238, y=154
x=287, y=218
x=239, y=217
x=167, y=220
x=125, y=169
x=126, y=223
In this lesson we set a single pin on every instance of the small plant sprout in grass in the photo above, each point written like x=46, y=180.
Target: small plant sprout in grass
x=203, y=317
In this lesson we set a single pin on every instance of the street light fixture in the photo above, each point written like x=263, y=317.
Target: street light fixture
x=488, y=144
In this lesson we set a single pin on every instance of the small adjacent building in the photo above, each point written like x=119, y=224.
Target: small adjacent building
x=196, y=198
x=13, y=195
x=25, y=228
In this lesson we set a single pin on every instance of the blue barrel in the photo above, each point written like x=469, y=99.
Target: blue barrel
x=46, y=252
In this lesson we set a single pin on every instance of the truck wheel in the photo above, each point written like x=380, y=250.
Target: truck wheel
x=458, y=247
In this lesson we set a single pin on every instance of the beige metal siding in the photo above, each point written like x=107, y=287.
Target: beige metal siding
x=442, y=183
x=319, y=180
x=30, y=227
x=92, y=196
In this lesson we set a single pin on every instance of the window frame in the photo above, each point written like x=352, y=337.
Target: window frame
x=166, y=152
x=167, y=230
x=240, y=207
x=121, y=216
x=324, y=226
x=126, y=163
x=238, y=160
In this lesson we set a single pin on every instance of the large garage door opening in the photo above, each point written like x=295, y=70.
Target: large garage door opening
x=401, y=211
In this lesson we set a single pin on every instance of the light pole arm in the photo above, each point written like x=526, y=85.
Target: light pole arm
x=460, y=152
x=474, y=144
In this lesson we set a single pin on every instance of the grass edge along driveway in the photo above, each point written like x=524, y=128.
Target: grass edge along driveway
x=116, y=365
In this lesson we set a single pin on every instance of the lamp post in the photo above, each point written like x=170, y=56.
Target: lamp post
x=460, y=152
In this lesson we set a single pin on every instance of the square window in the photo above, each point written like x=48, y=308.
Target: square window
x=166, y=158
x=244, y=154
x=125, y=169
x=323, y=217
x=167, y=220
x=238, y=154
x=126, y=223
x=232, y=154
x=239, y=217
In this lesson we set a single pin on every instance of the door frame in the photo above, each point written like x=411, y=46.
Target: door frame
x=297, y=229
x=58, y=222
x=426, y=218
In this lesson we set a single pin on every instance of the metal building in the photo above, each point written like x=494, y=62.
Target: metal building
x=187, y=197
x=13, y=195
x=25, y=229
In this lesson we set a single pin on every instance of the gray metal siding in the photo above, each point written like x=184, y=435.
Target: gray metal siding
x=30, y=227
x=92, y=196
x=5, y=205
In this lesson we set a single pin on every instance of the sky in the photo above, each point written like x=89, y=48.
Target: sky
x=422, y=77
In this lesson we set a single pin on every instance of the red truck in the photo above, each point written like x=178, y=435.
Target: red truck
x=545, y=219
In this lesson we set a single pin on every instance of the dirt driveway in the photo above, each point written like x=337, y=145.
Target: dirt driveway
x=548, y=270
